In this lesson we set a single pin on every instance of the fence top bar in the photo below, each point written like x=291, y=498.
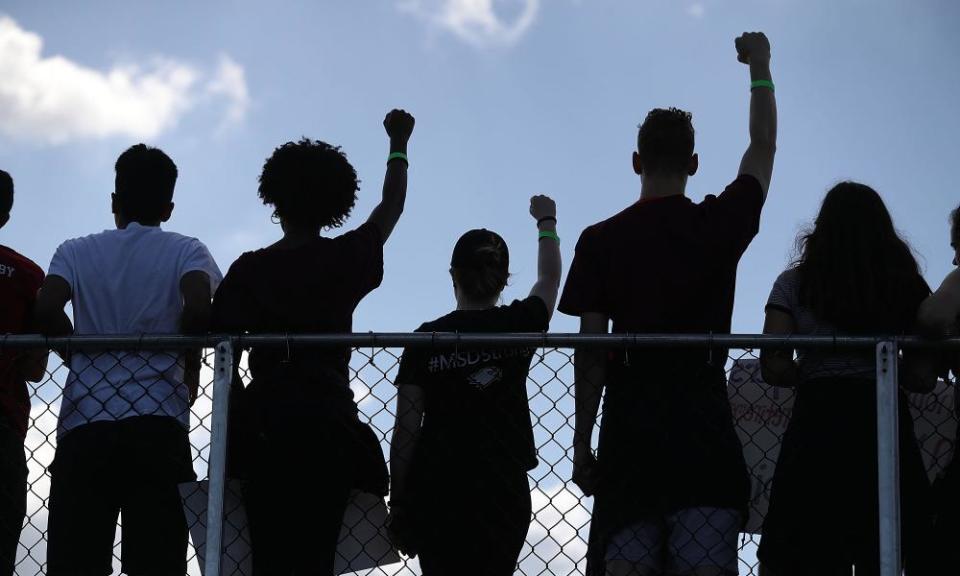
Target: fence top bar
x=447, y=340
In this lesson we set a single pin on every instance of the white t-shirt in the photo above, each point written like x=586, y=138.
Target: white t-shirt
x=127, y=282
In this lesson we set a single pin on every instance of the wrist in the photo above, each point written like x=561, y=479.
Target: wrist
x=398, y=145
x=760, y=68
x=547, y=223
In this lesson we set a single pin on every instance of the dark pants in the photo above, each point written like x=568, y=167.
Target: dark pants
x=131, y=466
x=13, y=495
x=475, y=526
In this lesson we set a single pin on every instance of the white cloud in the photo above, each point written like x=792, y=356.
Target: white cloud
x=696, y=10
x=478, y=22
x=52, y=99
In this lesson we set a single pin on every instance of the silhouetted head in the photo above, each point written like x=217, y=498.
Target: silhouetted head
x=143, y=188
x=6, y=197
x=955, y=235
x=855, y=271
x=309, y=184
x=665, y=145
x=480, y=266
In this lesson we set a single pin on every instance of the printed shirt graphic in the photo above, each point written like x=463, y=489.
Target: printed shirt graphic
x=20, y=279
x=127, y=282
x=476, y=409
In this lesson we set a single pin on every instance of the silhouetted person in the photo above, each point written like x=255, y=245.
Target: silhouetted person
x=939, y=316
x=308, y=446
x=854, y=276
x=460, y=496
x=20, y=279
x=670, y=482
x=122, y=443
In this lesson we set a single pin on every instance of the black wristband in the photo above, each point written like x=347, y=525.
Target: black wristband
x=545, y=218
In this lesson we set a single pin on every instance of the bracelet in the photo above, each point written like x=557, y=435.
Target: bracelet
x=545, y=218
x=398, y=156
x=762, y=84
x=548, y=234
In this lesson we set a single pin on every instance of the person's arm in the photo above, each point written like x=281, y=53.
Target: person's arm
x=777, y=365
x=194, y=320
x=753, y=49
x=549, y=264
x=399, y=126
x=938, y=313
x=49, y=317
x=403, y=445
x=589, y=375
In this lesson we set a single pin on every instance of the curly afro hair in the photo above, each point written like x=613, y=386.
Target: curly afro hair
x=310, y=183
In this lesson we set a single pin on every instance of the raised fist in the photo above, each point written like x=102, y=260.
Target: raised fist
x=399, y=124
x=543, y=207
x=752, y=47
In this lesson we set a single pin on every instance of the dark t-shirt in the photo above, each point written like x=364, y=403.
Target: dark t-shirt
x=313, y=288
x=20, y=279
x=476, y=413
x=667, y=266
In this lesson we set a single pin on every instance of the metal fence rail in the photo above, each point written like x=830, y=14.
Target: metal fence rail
x=556, y=541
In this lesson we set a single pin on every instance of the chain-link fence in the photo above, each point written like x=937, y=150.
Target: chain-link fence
x=556, y=541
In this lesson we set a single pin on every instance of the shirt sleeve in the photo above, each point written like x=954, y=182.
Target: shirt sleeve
x=584, y=289
x=62, y=265
x=735, y=214
x=362, y=252
x=527, y=315
x=783, y=295
x=413, y=365
x=198, y=258
x=233, y=308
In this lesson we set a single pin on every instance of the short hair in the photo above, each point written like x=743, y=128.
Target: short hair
x=665, y=141
x=144, y=184
x=310, y=183
x=955, y=222
x=6, y=192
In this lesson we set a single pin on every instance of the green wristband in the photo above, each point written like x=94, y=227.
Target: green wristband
x=548, y=234
x=398, y=156
x=762, y=84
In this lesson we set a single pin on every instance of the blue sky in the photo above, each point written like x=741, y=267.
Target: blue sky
x=512, y=98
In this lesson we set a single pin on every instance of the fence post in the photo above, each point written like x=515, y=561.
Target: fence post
x=888, y=457
x=217, y=468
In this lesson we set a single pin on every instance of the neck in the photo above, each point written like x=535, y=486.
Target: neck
x=662, y=186
x=466, y=304
x=296, y=235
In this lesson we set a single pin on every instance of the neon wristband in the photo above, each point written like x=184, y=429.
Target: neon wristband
x=548, y=234
x=762, y=84
x=398, y=156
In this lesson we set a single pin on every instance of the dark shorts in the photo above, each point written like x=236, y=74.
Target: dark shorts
x=13, y=495
x=131, y=466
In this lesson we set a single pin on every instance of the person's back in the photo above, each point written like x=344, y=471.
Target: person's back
x=20, y=278
x=463, y=418
x=669, y=468
x=127, y=282
x=299, y=400
x=122, y=443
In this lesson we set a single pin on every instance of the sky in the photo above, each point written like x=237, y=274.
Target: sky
x=512, y=98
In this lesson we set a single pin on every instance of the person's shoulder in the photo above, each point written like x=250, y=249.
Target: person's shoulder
x=788, y=277
x=743, y=186
x=21, y=262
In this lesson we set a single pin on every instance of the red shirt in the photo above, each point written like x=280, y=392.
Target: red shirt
x=20, y=280
x=666, y=265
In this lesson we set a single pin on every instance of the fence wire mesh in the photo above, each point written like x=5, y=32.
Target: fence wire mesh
x=559, y=523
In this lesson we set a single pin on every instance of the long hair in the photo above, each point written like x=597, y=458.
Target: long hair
x=855, y=271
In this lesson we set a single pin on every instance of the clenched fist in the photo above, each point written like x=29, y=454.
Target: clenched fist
x=399, y=125
x=752, y=48
x=543, y=207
